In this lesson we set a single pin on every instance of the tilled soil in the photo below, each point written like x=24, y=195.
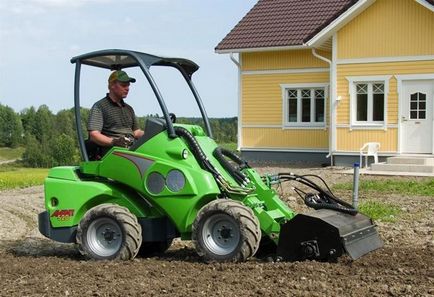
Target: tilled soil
x=31, y=265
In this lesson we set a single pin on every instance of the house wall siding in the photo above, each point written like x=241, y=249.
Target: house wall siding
x=285, y=139
x=388, y=28
x=275, y=60
x=353, y=140
x=262, y=102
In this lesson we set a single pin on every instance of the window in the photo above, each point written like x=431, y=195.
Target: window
x=368, y=100
x=304, y=106
x=418, y=106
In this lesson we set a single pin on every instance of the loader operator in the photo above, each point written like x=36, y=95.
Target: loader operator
x=112, y=122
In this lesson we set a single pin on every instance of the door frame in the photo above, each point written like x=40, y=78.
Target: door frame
x=400, y=79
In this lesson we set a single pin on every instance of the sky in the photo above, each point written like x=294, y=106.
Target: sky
x=39, y=37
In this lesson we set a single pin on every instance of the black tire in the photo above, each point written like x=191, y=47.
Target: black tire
x=226, y=231
x=149, y=249
x=109, y=232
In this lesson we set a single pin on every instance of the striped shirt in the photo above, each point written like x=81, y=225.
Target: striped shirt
x=112, y=119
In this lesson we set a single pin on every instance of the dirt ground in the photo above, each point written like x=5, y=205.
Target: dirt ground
x=31, y=265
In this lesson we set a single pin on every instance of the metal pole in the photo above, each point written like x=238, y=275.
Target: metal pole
x=197, y=98
x=77, y=112
x=356, y=186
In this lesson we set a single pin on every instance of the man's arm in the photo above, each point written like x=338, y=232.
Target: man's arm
x=100, y=139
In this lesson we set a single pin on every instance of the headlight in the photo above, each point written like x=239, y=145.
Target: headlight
x=155, y=183
x=175, y=180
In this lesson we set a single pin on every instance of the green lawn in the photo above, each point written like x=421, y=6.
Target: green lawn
x=385, y=212
x=11, y=154
x=422, y=188
x=17, y=177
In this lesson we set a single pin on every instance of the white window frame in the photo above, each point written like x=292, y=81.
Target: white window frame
x=299, y=123
x=353, y=80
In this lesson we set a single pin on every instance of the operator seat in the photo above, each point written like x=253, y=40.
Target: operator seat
x=94, y=151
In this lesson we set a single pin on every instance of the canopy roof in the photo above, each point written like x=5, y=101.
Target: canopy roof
x=115, y=59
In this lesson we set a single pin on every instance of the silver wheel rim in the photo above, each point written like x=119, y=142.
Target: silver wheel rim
x=104, y=237
x=221, y=234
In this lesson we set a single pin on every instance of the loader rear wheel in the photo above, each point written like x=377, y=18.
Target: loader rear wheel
x=109, y=232
x=226, y=231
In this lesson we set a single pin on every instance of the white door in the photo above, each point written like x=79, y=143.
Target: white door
x=417, y=116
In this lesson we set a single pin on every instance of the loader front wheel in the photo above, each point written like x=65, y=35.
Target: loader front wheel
x=109, y=232
x=226, y=231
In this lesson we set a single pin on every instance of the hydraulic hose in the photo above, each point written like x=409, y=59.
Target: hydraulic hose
x=220, y=153
x=302, y=179
x=206, y=164
x=325, y=199
x=234, y=157
x=196, y=150
x=316, y=202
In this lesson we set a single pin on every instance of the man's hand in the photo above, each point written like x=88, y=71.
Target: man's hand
x=121, y=141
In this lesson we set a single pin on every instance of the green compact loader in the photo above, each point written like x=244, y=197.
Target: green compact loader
x=175, y=181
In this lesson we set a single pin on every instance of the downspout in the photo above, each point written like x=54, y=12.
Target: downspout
x=235, y=60
x=331, y=103
x=239, y=130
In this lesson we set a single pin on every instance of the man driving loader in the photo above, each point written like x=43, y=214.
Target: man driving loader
x=112, y=122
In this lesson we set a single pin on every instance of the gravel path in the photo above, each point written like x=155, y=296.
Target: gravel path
x=32, y=265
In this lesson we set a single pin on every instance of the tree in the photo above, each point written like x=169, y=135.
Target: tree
x=63, y=151
x=84, y=114
x=11, y=129
x=64, y=122
x=28, y=119
x=44, y=123
x=36, y=154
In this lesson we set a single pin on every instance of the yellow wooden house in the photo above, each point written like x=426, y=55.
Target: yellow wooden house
x=318, y=79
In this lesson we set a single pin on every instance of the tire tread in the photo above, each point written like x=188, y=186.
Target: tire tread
x=249, y=228
x=128, y=221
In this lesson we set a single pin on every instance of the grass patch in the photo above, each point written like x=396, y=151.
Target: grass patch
x=15, y=177
x=380, y=211
x=7, y=153
x=420, y=188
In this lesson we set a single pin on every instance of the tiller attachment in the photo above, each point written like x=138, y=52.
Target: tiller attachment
x=325, y=234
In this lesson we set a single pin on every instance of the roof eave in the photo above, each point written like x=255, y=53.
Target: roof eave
x=426, y=4
x=261, y=49
x=339, y=22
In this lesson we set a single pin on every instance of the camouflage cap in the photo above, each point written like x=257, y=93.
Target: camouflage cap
x=121, y=76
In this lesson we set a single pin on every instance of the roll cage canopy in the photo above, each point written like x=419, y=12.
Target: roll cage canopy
x=117, y=59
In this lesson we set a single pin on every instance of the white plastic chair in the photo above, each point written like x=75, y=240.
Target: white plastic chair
x=369, y=149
